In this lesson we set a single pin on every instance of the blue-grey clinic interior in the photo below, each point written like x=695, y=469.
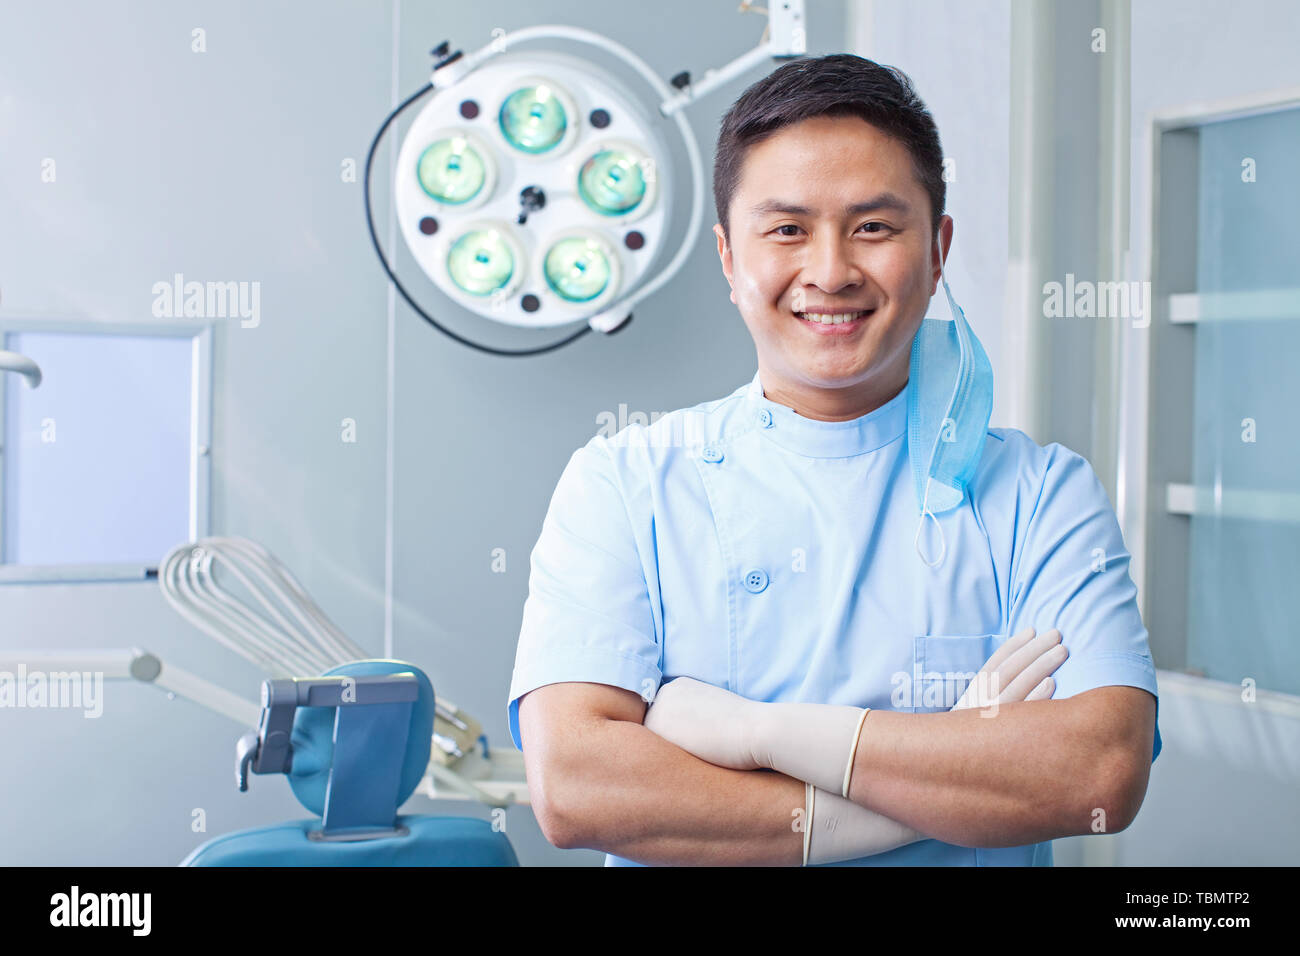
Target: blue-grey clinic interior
x=232, y=164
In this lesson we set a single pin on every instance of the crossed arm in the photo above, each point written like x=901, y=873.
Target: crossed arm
x=1039, y=770
x=599, y=778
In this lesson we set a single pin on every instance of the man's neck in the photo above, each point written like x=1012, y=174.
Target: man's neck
x=831, y=404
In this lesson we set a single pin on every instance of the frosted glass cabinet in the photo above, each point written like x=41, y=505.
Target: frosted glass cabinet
x=1223, y=468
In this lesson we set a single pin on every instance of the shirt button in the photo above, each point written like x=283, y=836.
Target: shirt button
x=709, y=453
x=765, y=418
x=755, y=580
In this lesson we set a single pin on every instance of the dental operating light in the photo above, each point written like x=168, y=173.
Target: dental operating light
x=534, y=187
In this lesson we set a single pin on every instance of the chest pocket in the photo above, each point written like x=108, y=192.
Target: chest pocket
x=943, y=666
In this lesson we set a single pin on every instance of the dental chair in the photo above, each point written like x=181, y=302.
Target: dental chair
x=355, y=744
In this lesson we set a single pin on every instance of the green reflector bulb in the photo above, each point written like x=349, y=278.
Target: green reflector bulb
x=480, y=262
x=577, y=269
x=532, y=119
x=451, y=170
x=612, y=182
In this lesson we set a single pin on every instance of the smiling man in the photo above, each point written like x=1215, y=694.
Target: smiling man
x=757, y=648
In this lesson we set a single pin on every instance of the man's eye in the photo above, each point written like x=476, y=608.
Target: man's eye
x=873, y=228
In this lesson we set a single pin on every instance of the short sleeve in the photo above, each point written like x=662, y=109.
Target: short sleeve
x=588, y=614
x=1072, y=573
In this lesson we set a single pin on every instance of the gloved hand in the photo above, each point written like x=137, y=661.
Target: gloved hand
x=810, y=742
x=707, y=721
x=837, y=829
x=1018, y=670
x=732, y=731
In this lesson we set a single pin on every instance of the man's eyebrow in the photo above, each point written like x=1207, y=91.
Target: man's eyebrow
x=875, y=204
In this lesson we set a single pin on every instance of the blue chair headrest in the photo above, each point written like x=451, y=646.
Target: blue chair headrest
x=313, y=737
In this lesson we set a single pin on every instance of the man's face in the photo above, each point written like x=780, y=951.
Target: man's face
x=828, y=216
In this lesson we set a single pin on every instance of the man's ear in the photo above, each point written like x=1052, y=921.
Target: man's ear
x=944, y=236
x=724, y=254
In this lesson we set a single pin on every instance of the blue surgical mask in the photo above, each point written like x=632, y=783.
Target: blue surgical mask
x=948, y=411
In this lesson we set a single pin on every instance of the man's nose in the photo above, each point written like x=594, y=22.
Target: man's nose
x=830, y=265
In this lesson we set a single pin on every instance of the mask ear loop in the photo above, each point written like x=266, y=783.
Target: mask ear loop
x=925, y=504
x=943, y=542
x=952, y=304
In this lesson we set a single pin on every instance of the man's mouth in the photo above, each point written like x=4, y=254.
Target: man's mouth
x=833, y=318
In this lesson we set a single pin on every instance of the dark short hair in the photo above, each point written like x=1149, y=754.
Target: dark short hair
x=839, y=84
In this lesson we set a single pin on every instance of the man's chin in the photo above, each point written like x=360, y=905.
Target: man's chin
x=835, y=375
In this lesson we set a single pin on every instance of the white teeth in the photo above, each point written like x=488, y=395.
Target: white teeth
x=826, y=319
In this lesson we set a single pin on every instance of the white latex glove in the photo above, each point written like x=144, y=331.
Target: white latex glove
x=1018, y=670
x=734, y=732
x=838, y=829
x=707, y=721
x=810, y=742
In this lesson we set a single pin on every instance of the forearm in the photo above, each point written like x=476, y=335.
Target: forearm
x=622, y=789
x=1032, y=772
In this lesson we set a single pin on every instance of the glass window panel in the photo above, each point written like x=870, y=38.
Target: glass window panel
x=1243, y=597
x=97, y=459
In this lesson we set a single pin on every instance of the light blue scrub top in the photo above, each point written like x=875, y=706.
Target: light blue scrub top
x=744, y=545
